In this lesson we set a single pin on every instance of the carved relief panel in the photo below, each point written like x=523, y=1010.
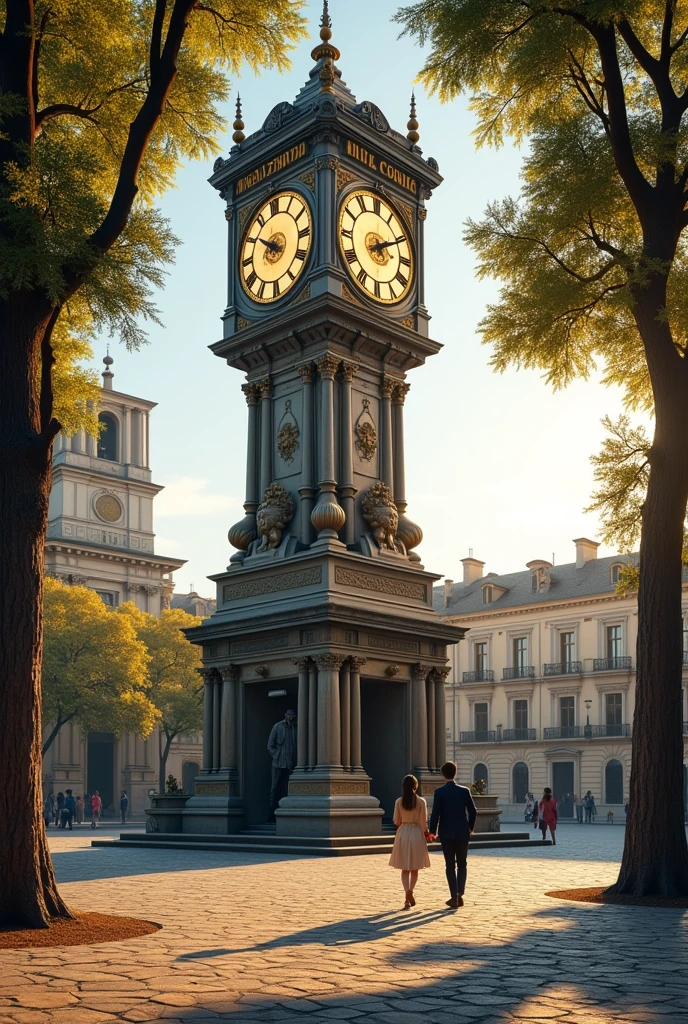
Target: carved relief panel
x=288, y=434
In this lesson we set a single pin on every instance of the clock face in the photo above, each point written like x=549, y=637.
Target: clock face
x=275, y=247
x=376, y=246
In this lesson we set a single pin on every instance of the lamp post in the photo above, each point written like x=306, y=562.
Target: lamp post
x=588, y=727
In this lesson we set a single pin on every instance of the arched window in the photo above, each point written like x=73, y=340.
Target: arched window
x=520, y=781
x=480, y=772
x=613, y=782
x=108, y=446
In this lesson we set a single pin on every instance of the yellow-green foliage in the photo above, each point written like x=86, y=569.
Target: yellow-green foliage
x=95, y=669
x=93, y=72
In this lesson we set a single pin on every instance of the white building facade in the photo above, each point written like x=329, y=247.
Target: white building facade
x=542, y=690
x=100, y=535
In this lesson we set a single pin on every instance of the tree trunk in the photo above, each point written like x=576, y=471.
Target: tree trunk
x=28, y=890
x=163, y=754
x=655, y=858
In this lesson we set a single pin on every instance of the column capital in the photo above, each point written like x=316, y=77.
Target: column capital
x=388, y=386
x=357, y=663
x=306, y=373
x=440, y=674
x=230, y=673
x=207, y=674
x=251, y=393
x=302, y=663
x=400, y=392
x=349, y=371
x=333, y=662
x=421, y=671
x=264, y=387
x=327, y=366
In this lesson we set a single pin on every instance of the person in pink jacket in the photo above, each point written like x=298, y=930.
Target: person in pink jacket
x=546, y=815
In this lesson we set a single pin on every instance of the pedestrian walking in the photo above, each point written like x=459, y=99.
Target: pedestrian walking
x=59, y=807
x=530, y=807
x=123, y=804
x=410, y=850
x=80, y=805
x=96, y=807
x=68, y=811
x=589, y=804
x=580, y=808
x=49, y=809
x=453, y=820
x=546, y=816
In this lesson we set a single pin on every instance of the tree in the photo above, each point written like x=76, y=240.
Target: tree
x=95, y=669
x=593, y=259
x=177, y=689
x=100, y=103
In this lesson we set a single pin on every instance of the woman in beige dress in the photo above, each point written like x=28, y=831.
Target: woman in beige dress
x=410, y=851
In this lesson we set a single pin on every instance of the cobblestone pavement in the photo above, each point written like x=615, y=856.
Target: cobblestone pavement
x=253, y=938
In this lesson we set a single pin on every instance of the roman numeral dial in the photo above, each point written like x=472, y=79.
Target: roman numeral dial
x=375, y=247
x=275, y=247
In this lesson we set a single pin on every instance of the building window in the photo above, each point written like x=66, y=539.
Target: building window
x=567, y=716
x=520, y=648
x=614, y=573
x=520, y=716
x=613, y=782
x=614, y=642
x=480, y=772
x=613, y=712
x=519, y=777
x=480, y=656
x=534, y=582
x=480, y=715
x=567, y=648
x=487, y=595
x=108, y=440
x=108, y=598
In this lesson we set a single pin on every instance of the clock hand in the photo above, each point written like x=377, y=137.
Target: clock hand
x=379, y=246
x=272, y=246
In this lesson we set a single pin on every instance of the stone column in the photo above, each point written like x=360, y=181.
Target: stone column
x=387, y=453
x=398, y=398
x=242, y=533
x=136, y=437
x=329, y=719
x=356, y=759
x=345, y=712
x=327, y=516
x=208, y=680
x=307, y=489
x=312, y=715
x=126, y=440
x=228, y=719
x=430, y=698
x=302, y=713
x=440, y=675
x=217, y=721
x=265, y=391
x=346, y=475
x=419, y=718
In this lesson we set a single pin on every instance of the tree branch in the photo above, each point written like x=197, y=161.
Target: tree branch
x=77, y=110
x=156, y=34
x=36, y=55
x=55, y=730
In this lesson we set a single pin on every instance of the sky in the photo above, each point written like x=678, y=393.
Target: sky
x=497, y=464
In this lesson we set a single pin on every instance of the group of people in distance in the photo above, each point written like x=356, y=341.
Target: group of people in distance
x=64, y=810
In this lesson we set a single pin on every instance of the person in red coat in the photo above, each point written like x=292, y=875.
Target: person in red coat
x=546, y=815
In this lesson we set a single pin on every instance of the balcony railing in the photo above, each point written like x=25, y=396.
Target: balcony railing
x=563, y=668
x=483, y=675
x=611, y=664
x=518, y=734
x=480, y=736
x=563, y=732
x=595, y=731
x=519, y=672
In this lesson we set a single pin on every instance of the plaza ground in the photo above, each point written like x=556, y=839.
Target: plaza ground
x=254, y=938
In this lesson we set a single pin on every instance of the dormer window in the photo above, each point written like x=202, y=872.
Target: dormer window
x=614, y=573
x=535, y=581
x=108, y=439
x=488, y=594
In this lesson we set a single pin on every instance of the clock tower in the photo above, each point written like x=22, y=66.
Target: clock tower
x=325, y=606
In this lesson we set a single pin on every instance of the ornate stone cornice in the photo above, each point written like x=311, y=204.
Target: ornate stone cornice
x=331, y=662
x=251, y=393
x=349, y=371
x=306, y=373
x=327, y=366
x=400, y=392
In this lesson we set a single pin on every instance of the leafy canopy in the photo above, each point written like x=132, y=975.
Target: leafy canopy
x=598, y=90
x=95, y=669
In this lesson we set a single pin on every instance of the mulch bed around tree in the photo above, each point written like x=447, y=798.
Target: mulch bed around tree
x=84, y=930
x=598, y=895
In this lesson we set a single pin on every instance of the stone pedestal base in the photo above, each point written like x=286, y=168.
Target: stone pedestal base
x=488, y=813
x=322, y=803
x=214, y=809
x=165, y=814
x=428, y=782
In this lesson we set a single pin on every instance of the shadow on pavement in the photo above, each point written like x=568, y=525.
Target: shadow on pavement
x=94, y=863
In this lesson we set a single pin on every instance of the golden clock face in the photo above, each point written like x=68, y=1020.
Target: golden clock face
x=376, y=247
x=275, y=247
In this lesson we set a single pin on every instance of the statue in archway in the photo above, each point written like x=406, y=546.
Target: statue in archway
x=282, y=750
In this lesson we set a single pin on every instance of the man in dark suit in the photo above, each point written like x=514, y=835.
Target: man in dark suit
x=453, y=809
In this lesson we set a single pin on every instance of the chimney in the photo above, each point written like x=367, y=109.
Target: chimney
x=586, y=550
x=448, y=584
x=472, y=570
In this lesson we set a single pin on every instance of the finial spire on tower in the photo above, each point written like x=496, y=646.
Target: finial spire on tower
x=325, y=50
x=238, y=126
x=107, y=372
x=412, y=125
